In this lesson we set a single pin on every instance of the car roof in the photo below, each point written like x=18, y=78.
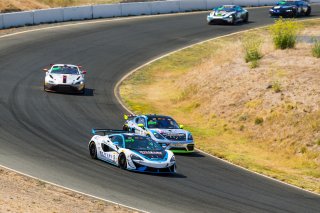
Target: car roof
x=155, y=115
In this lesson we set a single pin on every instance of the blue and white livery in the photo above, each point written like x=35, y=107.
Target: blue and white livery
x=131, y=151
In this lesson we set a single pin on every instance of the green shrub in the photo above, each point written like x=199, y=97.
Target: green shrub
x=252, y=48
x=254, y=64
x=258, y=121
x=276, y=86
x=284, y=33
x=316, y=49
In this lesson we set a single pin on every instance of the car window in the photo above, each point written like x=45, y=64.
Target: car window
x=162, y=122
x=64, y=70
x=138, y=142
x=118, y=139
x=141, y=120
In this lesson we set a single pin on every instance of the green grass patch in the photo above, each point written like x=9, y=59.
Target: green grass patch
x=284, y=33
x=252, y=48
x=316, y=49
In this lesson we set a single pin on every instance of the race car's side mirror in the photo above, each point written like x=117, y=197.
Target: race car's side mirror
x=45, y=70
x=83, y=72
x=181, y=126
x=125, y=117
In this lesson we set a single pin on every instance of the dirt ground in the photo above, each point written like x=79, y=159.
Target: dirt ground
x=23, y=194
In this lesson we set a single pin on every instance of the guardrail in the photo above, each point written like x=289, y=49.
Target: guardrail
x=34, y=17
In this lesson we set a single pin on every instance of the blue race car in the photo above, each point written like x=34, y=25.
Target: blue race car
x=131, y=151
x=292, y=8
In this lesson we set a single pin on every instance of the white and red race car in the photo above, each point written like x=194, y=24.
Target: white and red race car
x=64, y=78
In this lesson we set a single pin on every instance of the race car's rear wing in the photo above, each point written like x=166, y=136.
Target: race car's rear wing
x=107, y=131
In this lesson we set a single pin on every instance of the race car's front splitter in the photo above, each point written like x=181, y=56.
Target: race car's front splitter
x=146, y=169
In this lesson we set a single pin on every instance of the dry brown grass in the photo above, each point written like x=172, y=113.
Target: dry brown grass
x=236, y=112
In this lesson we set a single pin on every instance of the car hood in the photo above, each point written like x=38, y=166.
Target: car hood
x=283, y=7
x=69, y=79
x=153, y=155
x=173, y=134
x=222, y=13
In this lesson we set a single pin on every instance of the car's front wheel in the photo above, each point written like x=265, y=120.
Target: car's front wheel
x=246, y=19
x=122, y=161
x=93, y=150
x=233, y=20
x=308, y=11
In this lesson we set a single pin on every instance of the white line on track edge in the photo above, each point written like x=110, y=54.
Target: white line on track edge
x=73, y=190
x=117, y=95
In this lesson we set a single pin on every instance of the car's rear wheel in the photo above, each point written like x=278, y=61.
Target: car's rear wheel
x=122, y=161
x=93, y=150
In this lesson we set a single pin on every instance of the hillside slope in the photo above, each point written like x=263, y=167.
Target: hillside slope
x=266, y=119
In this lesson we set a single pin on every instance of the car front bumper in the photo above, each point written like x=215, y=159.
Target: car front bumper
x=64, y=87
x=219, y=19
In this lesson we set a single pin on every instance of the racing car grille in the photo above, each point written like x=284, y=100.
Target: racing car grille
x=143, y=168
x=65, y=88
x=180, y=137
x=178, y=148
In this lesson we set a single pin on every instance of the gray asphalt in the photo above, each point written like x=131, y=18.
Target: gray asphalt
x=46, y=134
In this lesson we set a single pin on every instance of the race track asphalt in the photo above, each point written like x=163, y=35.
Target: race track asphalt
x=46, y=134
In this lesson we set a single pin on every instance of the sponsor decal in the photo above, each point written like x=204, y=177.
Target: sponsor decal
x=150, y=152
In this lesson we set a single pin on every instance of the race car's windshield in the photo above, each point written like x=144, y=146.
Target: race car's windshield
x=161, y=122
x=65, y=70
x=137, y=142
x=224, y=9
x=287, y=3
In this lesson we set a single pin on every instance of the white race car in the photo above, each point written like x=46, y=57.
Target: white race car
x=131, y=151
x=64, y=78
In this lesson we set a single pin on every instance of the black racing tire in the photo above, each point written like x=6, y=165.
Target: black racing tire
x=83, y=91
x=233, y=22
x=308, y=11
x=294, y=14
x=246, y=19
x=122, y=161
x=210, y=23
x=93, y=150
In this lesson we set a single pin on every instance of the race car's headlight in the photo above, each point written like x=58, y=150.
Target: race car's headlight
x=135, y=157
x=288, y=10
x=230, y=16
x=173, y=158
x=190, y=138
x=79, y=82
x=51, y=82
x=157, y=135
